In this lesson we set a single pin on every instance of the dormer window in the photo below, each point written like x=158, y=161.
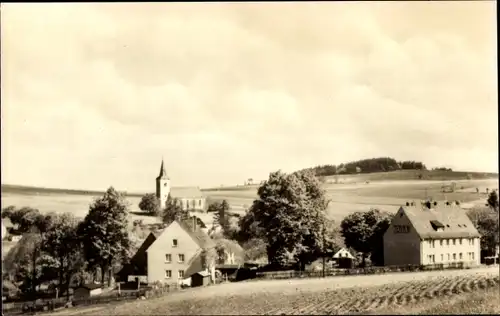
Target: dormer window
x=437, y=225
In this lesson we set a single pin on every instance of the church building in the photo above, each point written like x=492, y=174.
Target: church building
x=190, y=198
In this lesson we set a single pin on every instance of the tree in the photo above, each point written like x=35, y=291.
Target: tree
x=493, y=200
x=150, y=204
x=363, y=231
x=174, y=211
x=290, y=212
x=63, y=244
x=105, y=232
x=221, y=216
x=486, y=222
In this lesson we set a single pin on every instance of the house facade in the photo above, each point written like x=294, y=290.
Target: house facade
x=190, y=198
x=171, y=256
x=442, y=234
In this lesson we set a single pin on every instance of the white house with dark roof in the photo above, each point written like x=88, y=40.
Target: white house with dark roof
x=190, y=198
x=442, y=234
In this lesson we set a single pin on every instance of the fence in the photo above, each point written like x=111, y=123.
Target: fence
x=290, y=274
x=51, y=304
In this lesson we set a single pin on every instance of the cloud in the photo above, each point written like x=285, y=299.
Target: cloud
x=95, y=94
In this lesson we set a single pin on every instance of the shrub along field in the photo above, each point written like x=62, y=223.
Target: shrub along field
x=363, y=294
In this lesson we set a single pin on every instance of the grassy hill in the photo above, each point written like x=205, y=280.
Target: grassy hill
x=401, y=175
x=398, y=175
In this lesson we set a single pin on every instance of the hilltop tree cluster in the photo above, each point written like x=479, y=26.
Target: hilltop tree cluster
x=60, y=249
x=381, y=164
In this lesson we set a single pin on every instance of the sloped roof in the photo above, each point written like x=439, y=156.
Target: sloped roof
x=343, y=250
x=454, y=219
x=90, y=286
x=231, y=246
x=199, y=236
x=186, y=192
x=195, y=265
x=203, y=273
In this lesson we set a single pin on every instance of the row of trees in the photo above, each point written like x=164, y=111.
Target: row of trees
x=61, y=249
x=381, y=164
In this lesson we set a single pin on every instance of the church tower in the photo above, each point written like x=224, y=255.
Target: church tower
x=162, y=186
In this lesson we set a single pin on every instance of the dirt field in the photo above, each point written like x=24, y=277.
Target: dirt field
x=310, y=296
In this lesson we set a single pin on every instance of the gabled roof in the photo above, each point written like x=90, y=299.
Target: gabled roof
x=453, y=220
x=186, y=192
x=343, y=250
x=199, y=236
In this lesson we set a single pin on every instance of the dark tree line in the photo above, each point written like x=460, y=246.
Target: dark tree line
x=381, y=164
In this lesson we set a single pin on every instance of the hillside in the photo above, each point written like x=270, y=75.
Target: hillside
x=401, y=175
x=29, y=190
x=398, y=175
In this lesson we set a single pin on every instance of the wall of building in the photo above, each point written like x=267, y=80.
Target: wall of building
x=157, y=264
x=401, y=246
x=193, y=203
x=443, y=250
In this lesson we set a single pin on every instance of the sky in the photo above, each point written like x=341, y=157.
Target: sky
x=95, y=95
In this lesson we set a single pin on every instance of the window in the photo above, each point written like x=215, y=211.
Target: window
x=433, y=259
x=454, y=256
x=448, y=257
x=168, y=258
x=442, y=257
x=454, y=241
x=181, y=274
x=472, y=255
x=199, y=202
x=433, y=244
x=473, y=241
x=460, y=241
x=441, y=243
x=181, y=257
x=447, y=242
x=460, y=256
x=174, y=243
x=168, y=274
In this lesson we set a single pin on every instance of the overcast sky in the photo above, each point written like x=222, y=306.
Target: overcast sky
x=95, y=94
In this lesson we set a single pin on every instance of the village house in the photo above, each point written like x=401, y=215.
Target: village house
x=171, y=256
x=441, y=234
x=190, y=198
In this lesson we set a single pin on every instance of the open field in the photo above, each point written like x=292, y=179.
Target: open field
x=352, y=294
x=485, y=302
x=387, y=195
x=345, y=198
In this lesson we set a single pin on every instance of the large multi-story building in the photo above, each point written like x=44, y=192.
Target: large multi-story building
x=441, y=234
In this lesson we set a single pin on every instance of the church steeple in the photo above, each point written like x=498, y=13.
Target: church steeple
x=162, y=185
x=163, y=173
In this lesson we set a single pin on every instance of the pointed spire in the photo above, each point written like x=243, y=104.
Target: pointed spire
x=163, y=173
